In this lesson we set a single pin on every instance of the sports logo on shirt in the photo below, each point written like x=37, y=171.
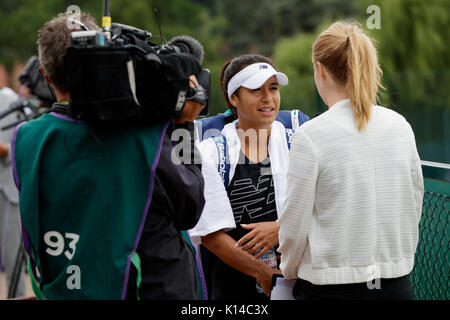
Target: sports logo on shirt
x=249, y=199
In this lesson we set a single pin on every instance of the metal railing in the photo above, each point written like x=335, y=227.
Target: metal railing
x=430, y=276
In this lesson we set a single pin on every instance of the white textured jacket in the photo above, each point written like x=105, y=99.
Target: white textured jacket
x=354, y=199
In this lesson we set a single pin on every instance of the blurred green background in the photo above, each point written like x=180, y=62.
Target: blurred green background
x=412, y=43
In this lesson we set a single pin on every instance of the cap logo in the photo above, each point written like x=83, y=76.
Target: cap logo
x=253, y=76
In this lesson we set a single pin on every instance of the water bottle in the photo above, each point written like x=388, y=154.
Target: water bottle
x=269, y=259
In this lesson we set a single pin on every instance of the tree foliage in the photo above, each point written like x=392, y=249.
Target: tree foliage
x=414, y=52
x=412, y=40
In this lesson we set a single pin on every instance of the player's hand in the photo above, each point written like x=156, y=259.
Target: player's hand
x=191, y=108
x=263, y=236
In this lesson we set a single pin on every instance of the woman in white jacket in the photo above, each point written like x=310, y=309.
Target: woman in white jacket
x=245, y=183
x=355, y=186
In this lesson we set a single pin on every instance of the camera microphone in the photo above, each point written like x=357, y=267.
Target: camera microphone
x=187, y=44
x=142, y=34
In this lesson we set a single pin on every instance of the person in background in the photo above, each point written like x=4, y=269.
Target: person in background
x=10, y=230
x=355, y=187
x=238, y=224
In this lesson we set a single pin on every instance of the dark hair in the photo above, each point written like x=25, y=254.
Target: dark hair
x=230, y=68
x=52, y=44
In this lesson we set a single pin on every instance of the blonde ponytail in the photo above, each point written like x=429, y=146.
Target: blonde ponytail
x=349, y=54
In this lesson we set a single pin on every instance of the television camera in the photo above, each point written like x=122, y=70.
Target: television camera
x=118, y=75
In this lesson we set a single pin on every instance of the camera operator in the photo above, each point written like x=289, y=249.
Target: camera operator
x=80, y=186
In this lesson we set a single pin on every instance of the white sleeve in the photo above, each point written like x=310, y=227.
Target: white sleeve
x=416, y=174
x=295, y=222
x=217, y=213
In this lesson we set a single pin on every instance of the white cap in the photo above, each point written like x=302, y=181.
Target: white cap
x=254, y=76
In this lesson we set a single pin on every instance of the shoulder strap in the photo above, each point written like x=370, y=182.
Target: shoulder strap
x=223, y=166
x=289, y=134
x=291, y=119
x=215, y=122
x=298, y=118
x=285, y=117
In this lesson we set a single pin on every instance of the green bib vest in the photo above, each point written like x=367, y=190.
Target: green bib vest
x=84, y=197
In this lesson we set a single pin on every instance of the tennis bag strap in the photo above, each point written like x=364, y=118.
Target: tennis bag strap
x=291, y=119
x=223, y=166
